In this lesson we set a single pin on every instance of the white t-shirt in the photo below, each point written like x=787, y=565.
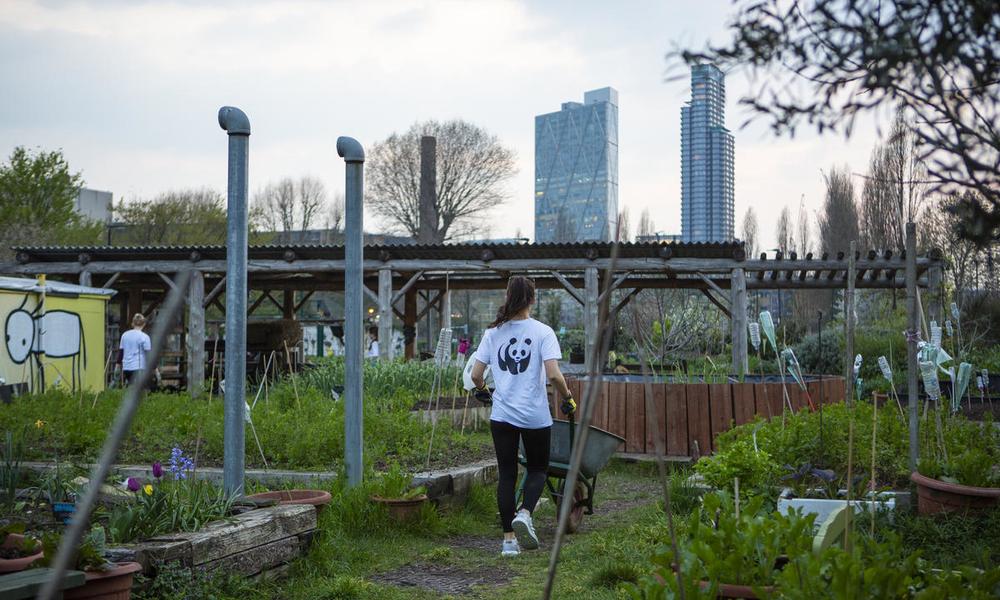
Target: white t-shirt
x=372, y=349
x=516, y=352
x=135, y=344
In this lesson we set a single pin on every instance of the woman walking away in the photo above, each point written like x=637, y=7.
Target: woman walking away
x=522, y=353
x=134, y=349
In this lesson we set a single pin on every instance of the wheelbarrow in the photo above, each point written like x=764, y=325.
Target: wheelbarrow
x=600, y=446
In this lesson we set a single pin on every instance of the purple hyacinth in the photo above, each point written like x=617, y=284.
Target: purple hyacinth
x=157, y=470
x=180, y=464
x=133, y=484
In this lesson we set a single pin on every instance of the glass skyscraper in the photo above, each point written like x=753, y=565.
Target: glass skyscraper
x=576, y=170
x=706, y=160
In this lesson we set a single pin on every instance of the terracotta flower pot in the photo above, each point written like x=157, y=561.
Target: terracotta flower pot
x=727, y=590
x=11, y=565
x=935, y=496
x=402, y=509
x=317, y=498
x=115, y=584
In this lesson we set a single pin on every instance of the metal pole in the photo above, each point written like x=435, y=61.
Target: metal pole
x=912, y=336
x=236, y=123
x=849, y=327
x=354, y=155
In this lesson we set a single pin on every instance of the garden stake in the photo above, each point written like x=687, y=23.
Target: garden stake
x=215, y=363
x=874, y=431
x=465, y=412
x=123, y=420
x=736, y=495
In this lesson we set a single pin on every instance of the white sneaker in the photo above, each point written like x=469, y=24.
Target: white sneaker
x=525, y=530
x=510, y=548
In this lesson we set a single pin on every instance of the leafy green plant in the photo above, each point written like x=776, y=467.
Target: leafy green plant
x=169, y=506
x=755, y=468
x=720, y=546
x=974, y=467
x=396, y=484
x=26, y=547
x=89, y=555
x=10, y=469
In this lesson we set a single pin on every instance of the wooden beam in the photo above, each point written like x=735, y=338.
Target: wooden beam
x=216, y=290
x=712, y=285
x=305, y=298
x=590, y=314
x=624, y=302
x=429, y=305
x=569, y=287
x=614, y=285
x=738, y=322
x=410, y=324
x=260, y=300
x=708, y=294
x=384, y=303
x=371, y=295
x=406, y=286
x=111, y=280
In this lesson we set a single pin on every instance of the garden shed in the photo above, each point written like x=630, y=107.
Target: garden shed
x=54, y=334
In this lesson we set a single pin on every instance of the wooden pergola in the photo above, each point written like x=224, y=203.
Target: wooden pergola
x=396, y=276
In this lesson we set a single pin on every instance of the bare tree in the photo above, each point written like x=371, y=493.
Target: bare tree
x=894, y=188
x=748, y=231
x=824, y=62
x=783, y=235
x=622, y=233
x=289, y=205
x=646, y=226
x=838, y=221
x=335, y=213
x=472, y=168
x=803, y=229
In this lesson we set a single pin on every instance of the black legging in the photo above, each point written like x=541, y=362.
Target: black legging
x=536, y=451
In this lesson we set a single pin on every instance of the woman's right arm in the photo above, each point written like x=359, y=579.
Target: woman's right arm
x=556, y=378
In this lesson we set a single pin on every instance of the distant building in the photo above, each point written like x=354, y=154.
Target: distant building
x=576, y=170
x=658, y=237
x=706, y=160
x=94, y=205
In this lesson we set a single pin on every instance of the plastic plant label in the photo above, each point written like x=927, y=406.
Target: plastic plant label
x=928, y=373
x=792, y=363
x=767, y=324
x=935, y=334
x=979, y=382
x=964, y=375
x=857, y=365
x=955, y=314
x=949, y=329
x=443, y=350
x=883, y=365
x=754, y=336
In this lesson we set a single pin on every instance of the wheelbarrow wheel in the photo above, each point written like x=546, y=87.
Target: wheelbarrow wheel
x=579, y=506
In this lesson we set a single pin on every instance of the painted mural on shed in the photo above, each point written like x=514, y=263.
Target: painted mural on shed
x=53, y=335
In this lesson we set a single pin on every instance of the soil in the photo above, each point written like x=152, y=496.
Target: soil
x=444, y=579
x=18, y=552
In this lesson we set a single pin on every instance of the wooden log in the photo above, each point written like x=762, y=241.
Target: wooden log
x=258, y=559
x=699, y=419
x=635, y=418
x=720, y=397
x=249, y=530
x=675, y=400
x=743, y=403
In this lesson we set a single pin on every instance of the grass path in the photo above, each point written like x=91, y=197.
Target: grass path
x=463, y=561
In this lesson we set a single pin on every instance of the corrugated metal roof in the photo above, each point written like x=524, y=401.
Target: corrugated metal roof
x=466, y=251
x=18, y=284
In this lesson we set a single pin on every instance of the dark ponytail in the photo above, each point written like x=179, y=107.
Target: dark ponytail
x=520, y=295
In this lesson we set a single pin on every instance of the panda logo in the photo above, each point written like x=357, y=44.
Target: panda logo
x=514, y=357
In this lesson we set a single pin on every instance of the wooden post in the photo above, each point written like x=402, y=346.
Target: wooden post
x=288, y=304
x=85, y=278
x=849, y=327
x=590, y=312
x=738, y=291
x=912, y=329
x=196, y=335
x=446, y=309
x=410, y=324
x=385, y=314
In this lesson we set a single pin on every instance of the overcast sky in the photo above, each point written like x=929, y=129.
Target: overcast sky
x=130, y=91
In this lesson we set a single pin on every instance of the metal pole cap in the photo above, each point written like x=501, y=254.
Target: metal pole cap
x=234, y=121
x=350, y=150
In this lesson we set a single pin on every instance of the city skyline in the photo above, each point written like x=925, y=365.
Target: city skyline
x=130, y=92
x=706, y=160
x=576, y=170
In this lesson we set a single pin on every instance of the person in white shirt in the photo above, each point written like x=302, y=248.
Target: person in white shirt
x=522, y=353
x=372, y=351
x=134, y=349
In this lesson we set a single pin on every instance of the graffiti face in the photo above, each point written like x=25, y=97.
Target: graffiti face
x=20, y=333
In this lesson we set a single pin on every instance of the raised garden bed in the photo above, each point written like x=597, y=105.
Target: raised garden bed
x=824, y=507
x=690, y=415
x=249, y=544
